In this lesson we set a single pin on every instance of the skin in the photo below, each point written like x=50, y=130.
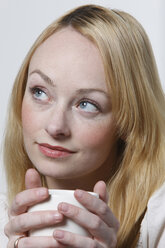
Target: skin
x=74, y=65
x=66, y=103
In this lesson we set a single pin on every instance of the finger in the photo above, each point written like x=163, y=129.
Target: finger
x=74, y=240
x=98, y=207
x=91, y=222
x=27, y=198
x=100, y=189
x=32, y=179
x=37, y=242
x=32, y=220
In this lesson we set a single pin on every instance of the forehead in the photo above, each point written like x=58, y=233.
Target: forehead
x=69, y=53
x=67, y=38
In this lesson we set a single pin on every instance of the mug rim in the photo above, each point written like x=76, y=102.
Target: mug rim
x=67, y=191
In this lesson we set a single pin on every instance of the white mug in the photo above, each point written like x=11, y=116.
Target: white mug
x=57, y=196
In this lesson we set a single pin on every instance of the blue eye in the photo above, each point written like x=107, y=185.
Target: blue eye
x=88, y=106
x=39, y=94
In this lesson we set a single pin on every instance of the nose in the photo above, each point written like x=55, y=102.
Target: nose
x=58, y=124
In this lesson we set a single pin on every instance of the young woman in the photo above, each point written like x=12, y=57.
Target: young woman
x=87, y=113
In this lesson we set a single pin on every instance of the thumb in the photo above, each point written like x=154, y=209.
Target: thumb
x=32, y=179
x=100, y=189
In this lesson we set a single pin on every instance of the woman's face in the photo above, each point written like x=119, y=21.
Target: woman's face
x=68, y=126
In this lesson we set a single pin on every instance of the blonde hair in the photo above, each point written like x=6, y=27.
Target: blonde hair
x=138, y=104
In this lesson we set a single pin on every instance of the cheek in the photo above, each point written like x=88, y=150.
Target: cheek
x=28, y=117
x=100, y=135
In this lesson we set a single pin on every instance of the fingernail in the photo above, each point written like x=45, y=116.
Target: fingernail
x=79, y=193
x=59, y=234
x=42, y=192
x=57, y=216
x=63, y=207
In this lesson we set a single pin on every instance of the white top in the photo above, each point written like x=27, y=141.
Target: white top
x=152, y=231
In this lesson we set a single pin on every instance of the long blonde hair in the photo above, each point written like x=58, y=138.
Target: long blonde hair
x=138, y=104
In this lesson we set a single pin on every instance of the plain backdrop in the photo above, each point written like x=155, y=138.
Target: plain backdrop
x=21, y=21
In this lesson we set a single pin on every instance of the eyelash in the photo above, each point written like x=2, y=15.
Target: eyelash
x=89, y=101
x=33, y=90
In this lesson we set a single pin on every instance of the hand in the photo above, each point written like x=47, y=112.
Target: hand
x=20, y=221
x=97, y=219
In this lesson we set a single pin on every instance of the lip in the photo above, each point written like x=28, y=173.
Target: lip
x=54, y=151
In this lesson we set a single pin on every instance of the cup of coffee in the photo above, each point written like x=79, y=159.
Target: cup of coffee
x=57, y=196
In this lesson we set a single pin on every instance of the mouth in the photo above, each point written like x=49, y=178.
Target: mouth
x=54, y=151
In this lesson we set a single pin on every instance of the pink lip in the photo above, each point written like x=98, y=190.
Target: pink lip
x=54, y=151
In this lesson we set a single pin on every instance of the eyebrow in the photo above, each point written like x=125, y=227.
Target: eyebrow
x=90, y=90
x=44, y=77
x=78, y=92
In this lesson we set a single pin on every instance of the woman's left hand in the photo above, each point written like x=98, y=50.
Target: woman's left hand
x=98, y=220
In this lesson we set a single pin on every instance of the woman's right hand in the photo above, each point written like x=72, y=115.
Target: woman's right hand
x=21, y=222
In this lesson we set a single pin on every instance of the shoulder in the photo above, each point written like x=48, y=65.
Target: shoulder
x=153, y=224
x=3, y=218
